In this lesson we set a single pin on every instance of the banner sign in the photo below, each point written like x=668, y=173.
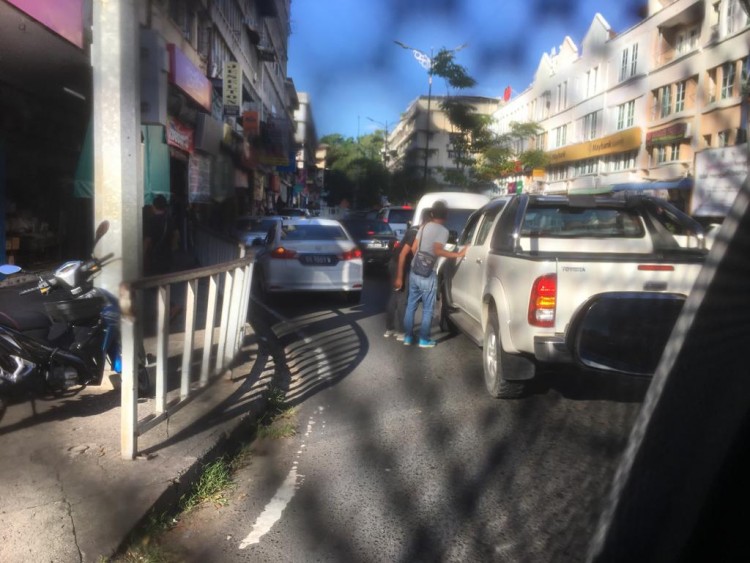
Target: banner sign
x=189, y=78
x=719, y=174
x=64, y=17
x=232, y=88
x=179, y=135
x=667, y=134
x=624, y=141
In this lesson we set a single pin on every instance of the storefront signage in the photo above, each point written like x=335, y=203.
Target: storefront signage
x=179, y=135
x=64, y=17
x=667, y=134
x=232, y=88
x=719, y=174
x=188, y=77
x=251, y=124
x=627, y=140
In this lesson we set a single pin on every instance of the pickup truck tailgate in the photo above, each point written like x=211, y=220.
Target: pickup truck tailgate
x=578, y=280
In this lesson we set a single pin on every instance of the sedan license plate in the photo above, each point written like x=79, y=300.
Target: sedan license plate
x=317, y=259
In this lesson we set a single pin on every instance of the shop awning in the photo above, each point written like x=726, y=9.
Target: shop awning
x=681, y=184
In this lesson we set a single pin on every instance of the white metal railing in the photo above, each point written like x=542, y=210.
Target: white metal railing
x=219, y=297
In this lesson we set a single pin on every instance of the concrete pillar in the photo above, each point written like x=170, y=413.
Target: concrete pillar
x=118, y=180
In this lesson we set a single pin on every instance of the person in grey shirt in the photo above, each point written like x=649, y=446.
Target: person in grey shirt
x=430, y=239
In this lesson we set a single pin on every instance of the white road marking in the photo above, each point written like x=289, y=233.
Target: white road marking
x=274, y=509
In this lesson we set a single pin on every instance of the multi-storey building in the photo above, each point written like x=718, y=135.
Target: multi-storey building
x=655, y=107
x=216, y=111
x=422, y=141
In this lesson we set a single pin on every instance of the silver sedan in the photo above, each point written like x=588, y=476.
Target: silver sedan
x=310, y=255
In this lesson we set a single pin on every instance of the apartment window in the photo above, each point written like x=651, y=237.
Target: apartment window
x=679, y=97
x=634, y=59
x=592, y=77
x=589, y=123
x=565, y=93
x=674, y=152
x=629, y=62
x=666, y=100
x=661, y=154
x=622, y=161
x=722, y=138
x=625, y=115
x=687, y=40
x=558, y=173
x=561, y=134
x=728, y=71
x=183, y=17
x=736, y=17
x=711, y=86
x=707, y=140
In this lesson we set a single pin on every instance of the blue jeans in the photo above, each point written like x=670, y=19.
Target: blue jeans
x=420, y=289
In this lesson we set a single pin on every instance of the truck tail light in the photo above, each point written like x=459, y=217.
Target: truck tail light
x=543, y=301
x=655, y=268
x=351, y=254
x=283, y=253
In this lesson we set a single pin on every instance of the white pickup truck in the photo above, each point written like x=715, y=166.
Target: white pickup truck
x=596, y=281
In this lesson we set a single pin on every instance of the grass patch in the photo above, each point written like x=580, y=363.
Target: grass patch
x=279, y=420
x=211, y=487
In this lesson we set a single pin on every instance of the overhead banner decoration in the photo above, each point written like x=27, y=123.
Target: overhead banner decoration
x=232, y=88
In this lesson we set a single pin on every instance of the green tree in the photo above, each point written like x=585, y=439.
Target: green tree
x=503, y=153
x=355, y=170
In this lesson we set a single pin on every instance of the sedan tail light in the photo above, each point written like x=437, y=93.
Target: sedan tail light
x=543, y=301
x=283, y=253
x=351, y=254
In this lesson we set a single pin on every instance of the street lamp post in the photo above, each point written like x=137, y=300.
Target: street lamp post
x=428, y=63
x=385, y=139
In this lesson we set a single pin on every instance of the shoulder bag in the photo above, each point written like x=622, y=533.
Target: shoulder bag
x=423, y=262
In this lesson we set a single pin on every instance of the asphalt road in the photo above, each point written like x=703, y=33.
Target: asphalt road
x=401, y=455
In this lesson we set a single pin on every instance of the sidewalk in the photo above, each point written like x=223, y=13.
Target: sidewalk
x=68, y=496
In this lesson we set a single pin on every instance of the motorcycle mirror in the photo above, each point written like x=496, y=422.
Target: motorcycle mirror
x=101, y=230
x=8, y=269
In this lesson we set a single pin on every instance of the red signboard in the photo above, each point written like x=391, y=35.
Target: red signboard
x=251, y=124
x=179, y=135
x=189, y=78
x=64, y=17
x=667, y=134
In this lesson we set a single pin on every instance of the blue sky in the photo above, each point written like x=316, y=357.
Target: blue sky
x=342, y=53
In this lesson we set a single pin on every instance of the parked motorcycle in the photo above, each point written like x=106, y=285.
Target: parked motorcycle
x=58, y=333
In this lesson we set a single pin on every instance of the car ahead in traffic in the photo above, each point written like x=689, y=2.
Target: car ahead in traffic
x=375, y=238
x=252, y=229
x=316, y=255
x=398, y=218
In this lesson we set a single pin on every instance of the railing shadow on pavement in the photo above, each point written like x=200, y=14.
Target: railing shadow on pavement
x=200, y=346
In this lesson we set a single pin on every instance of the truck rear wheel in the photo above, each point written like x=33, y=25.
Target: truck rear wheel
x=497, y=363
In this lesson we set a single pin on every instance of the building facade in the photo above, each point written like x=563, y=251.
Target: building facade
x=217, y=114
x=654, y=107
x=422, y=141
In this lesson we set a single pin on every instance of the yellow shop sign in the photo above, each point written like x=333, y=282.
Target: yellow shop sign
x=627, y=140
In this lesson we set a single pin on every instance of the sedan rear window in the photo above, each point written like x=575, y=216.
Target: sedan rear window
x=313, y=232
x=400, y=215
